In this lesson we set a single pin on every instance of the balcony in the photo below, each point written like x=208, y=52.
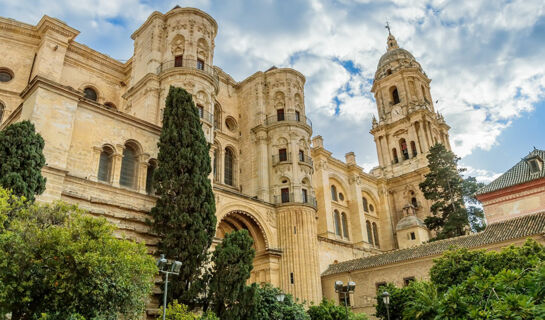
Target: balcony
x=288, y=117
x=280, y=159
x=206, y=116
x=304, y=159
x=190, y=64
x=289, y=198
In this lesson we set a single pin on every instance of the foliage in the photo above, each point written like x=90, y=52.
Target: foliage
x=509, y=284
x=328, y=310
x=450, y=193
x=21, y=151
x=232, y=261
x=398, y=298
x=269, y=308
x=470, y=186
x=177, y=311
x=58, y=262
x=184, y=215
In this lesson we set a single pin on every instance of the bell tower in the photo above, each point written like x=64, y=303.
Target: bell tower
x=408, y=124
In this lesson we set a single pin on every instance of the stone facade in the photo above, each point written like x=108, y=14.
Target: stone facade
x=305, y=210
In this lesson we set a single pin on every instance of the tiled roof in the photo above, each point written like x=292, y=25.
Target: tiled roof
x=516, y=228
x=518, y=174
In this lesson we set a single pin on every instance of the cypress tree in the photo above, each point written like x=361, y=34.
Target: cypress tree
x=232, y=261
x=22, y=159
x=444, y=186
x=184, y=215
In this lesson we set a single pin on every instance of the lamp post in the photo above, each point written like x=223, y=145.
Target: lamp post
x=341, y=288
x=386, y=300
x=167, y=268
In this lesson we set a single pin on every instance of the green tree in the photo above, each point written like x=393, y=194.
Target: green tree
x=21, y=151
x=398, y=298
x=269, y=308
x=509, y=284
x=232, y=261
x=475, y=213
x=443, y=185
x=55, y=260
x=177, y=311
x=328, y=310
x=184, y=215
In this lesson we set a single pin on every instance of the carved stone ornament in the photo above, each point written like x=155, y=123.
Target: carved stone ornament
x=177, y=45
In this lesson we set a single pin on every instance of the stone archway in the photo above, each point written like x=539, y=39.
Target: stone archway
x=266, y=261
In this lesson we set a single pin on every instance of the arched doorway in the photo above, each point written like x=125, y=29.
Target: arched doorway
x=266, y=261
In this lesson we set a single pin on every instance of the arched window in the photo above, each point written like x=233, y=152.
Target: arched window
x=395, y=95
x=345, y=225
x=394, y=153
x=413, y=148
x=110, y=105
x=2, y=108
x=152, y=165
x=375, y=234
x=414, y=202
x=333, y=193
x=337, y=222
x=128, y=167
x=365, y=204
x=90, y=94
x=105, y=164
x=228, y=167
x=369, y=232
x=404, y=149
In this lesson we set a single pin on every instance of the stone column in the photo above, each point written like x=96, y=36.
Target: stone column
x=379, y=152
x=116, y=165
x=300, y=263
x=262, y=166
x=95, y=163
x=142, y=172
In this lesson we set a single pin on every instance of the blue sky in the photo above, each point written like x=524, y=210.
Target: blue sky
x=485, y=59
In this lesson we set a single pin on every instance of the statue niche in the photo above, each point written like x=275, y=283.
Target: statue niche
x=177, y=45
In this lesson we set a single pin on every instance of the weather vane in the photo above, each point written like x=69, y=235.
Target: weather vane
x=388, y=27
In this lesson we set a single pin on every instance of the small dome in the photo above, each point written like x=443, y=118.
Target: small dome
x=395, y=58
x=409, y=222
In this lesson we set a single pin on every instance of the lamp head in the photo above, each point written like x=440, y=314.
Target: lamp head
x=351, y=286
x=386, y=298
x=338, y=285
x=161, y=262
x=176, y=267
x=280, y=297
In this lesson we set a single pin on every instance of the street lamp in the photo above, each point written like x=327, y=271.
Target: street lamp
x=163, y=266
x=386, y=300
x=280, y=297
x=346, y=290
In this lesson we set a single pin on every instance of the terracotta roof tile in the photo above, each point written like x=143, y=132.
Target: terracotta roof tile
x=520, y=173
x=516, y=228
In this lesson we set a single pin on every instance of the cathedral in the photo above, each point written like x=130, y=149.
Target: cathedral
x=310, y=215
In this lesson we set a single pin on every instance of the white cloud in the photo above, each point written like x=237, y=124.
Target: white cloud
x=485, y=57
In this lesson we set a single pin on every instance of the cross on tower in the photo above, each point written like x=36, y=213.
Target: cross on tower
x=388, y=27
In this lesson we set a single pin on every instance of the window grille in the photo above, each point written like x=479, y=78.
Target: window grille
x=375, y=233
x=105, y=165
x=128, y=168
x=369, y=233
x=228, y=167
x=337, y=220
x=345, y=225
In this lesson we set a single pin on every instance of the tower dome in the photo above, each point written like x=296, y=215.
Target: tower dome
x=410, y=222
x=394, y=59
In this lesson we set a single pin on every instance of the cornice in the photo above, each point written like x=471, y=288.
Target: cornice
x=158, y=15
x=513, y=192
x=97, y=57
x=140, y=84
x=47, y=23
x=17, y=27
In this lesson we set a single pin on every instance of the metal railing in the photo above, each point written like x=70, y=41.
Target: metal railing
x=290, y=198
x=288, y=117
x=276, y=158
x=207, y=116
x=192, y=64
x=305, y=159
